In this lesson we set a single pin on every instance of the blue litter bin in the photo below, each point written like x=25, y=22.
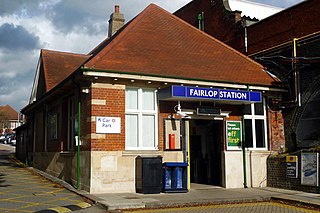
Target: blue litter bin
x=175, y=177
x=167, y=178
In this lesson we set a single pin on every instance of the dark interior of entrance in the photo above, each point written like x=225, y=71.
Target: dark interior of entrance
x=205, y=151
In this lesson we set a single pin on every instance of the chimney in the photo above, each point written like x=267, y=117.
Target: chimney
x=116, y=21
x=237, y=16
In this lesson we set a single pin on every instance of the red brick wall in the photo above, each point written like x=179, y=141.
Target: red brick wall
x=295, y=22
x=218, y=22
x=115, y=107
x=276, y=169
x=276, y=130
x=39, y=136
x=86, y=122
x=165, y=110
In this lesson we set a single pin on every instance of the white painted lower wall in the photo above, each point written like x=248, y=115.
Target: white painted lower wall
x=114, y=171
x=256, y=163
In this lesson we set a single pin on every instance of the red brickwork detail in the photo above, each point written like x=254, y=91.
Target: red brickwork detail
x=294, y=22
x=85, y=124
x=218, y=22
x=115, y=107
x=276, y=130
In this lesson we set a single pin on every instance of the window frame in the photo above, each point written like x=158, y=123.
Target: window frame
x=253, y=117
x=72, y=121
x=139, y=112
x=53, y=126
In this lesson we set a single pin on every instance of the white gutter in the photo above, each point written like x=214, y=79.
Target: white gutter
x=179, y=81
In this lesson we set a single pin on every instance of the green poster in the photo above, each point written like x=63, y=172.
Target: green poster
x=234, y=134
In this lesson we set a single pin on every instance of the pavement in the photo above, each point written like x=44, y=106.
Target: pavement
x=198, y=195
x=204, y=196
x=24, y=191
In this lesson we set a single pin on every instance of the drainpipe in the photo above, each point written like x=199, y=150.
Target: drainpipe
x=79, y=134
x=78, y=147
x=245, y=39
x=244, y=158
x=201, y=21
x=296, y=74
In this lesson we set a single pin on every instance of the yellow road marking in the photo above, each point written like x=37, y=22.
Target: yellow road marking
x=13, y=210
x=293, y=207
x=181, y=209
x=83, y=205
x=60, y=209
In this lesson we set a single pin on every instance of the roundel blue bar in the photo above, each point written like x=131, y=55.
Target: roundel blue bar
x=186, y=92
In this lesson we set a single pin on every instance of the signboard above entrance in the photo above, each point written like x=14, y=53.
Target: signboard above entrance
x=186, y=92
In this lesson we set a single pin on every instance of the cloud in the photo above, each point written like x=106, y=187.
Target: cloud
x=16, y=97
x=14, y=38
x=277, y=3
x=9, y=7
x=17, y=70
x=66, y=18
x=92, y=16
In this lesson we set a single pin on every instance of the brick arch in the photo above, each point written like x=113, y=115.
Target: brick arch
x=312, y=93
x=306, y=96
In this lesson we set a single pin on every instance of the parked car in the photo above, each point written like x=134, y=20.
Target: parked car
x=8, y=137
x=2, y=138
x=13, y=139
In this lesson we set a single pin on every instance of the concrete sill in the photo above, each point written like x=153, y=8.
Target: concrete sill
x=153, y=153
x=67, y=153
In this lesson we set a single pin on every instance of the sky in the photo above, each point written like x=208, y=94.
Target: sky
x=27, y=26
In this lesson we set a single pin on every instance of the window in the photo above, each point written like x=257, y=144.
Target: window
x=72, y=123
x=53, y=126
x=255, y=123
x=141, y=119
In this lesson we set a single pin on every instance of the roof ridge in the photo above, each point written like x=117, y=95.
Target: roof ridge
x=117, y=37
x=62, y=52
x=134, y=21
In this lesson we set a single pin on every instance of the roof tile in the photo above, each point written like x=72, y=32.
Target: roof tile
x=158, y=43
x=7, y=112
x=59, y=65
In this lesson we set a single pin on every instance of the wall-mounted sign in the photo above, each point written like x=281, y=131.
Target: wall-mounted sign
x=309, y=169
x=185, y=92
x=292, y=166
x=234, y=135
x=208, y=111
x=108, y=124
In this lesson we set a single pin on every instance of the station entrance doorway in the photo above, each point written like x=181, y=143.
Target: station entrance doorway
x=206, y=138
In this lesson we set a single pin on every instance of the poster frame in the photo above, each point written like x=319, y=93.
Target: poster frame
x=310, y=169
x=227, y=142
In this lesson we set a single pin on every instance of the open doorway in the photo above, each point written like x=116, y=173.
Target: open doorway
x=206, y=138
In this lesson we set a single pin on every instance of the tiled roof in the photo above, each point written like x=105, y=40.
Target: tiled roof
x=59, y=65
x=158, y=43
x=8, y=113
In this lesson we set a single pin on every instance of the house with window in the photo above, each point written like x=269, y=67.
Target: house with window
x=158, y=87
x=9, y=119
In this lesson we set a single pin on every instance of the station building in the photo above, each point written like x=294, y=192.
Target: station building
x=158, y=87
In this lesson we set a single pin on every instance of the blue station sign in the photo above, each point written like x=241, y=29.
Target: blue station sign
x=186, y=92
